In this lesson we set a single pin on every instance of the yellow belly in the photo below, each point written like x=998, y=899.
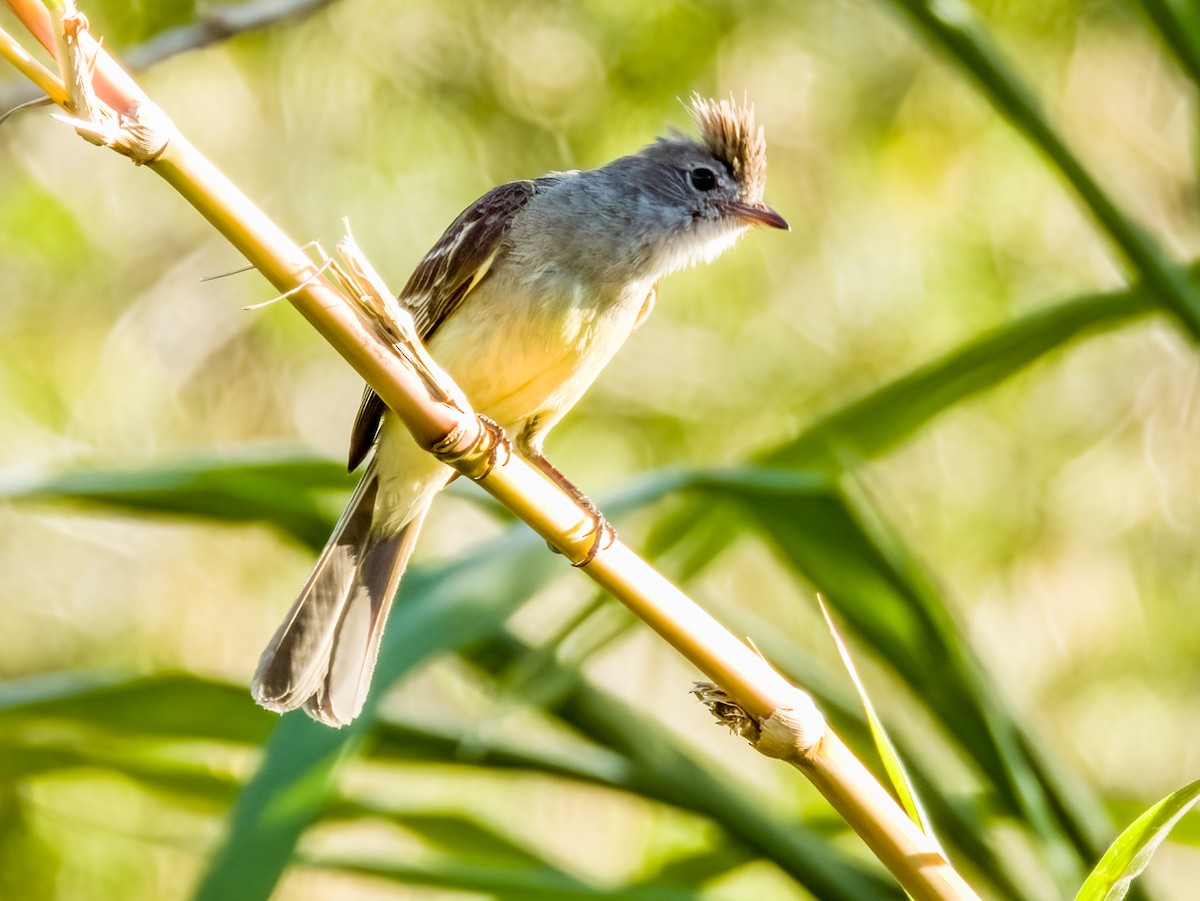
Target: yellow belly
x=519, y=361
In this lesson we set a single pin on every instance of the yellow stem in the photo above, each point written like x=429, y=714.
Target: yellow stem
x=900, y=846
x=33, y=70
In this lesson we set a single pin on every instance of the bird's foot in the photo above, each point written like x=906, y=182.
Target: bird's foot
x=604, y=534
x=501, y=447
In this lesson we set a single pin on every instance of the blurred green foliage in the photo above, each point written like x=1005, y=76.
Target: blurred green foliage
x=959, y=400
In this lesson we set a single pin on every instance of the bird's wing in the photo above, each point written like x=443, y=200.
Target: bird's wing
x=452, y=268
x=461, y=257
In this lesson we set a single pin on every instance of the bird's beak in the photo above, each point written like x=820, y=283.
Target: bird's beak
x=758, y=214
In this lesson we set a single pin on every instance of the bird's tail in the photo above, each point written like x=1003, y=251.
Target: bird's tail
x=324, y=652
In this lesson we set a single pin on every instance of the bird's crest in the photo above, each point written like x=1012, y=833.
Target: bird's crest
x=731, y=134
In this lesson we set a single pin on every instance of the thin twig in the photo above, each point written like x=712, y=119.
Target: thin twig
x=50, y=85
x=213, y=24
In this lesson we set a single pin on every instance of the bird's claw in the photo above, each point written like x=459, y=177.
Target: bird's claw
x=605, y=535
x=500, y=443
x=603, y=532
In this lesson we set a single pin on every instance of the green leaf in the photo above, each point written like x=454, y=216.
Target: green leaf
x=506, y=882
x=1186, y=831
x=897, y=774
x=883, y=419
x=1179, y=31
x=1131, y=852
x=166, y=706
x=284, y=491
x=664, y=770
x=693, y=870
x=954, y=26
x=961, y=824
x=193, y=784
x=455, y=834
x=275, y=806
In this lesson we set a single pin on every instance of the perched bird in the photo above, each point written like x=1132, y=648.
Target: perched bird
x=523, y=301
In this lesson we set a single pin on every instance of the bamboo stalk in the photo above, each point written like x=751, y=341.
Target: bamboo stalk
x=785, y=722
x=42, y=77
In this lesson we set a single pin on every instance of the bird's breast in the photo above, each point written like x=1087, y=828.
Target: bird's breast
x=526, y=347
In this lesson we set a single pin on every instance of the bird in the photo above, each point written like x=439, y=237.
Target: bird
x=523, y=301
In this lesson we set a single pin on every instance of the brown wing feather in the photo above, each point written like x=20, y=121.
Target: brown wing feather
x=366, y=427
x=453, y=266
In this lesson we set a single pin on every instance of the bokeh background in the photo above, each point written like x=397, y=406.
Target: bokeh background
x=168, y=460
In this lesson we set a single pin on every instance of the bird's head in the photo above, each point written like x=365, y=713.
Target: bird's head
x=712, y=186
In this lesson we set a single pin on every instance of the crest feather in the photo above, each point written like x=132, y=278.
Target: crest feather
x=732, y=135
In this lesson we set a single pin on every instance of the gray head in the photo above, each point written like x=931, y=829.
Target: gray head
x=731, y=138
x=710, y=191
x=678, y=202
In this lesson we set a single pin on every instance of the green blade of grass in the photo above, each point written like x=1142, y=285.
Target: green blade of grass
x=79, y=711
x=283, y=491
x=665, y=771
x=453, y=834
x=165, y=706
x=1130, y=854
x=960, y=823
x=1179, y=31
x=1186, y=831
x=694, y=870
x=511, y=883
x=892, y=414
x=888, y=416
x=953, y=26
x=897, y=773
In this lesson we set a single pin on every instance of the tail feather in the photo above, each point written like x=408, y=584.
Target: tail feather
x=340, y=696
x=323, y=654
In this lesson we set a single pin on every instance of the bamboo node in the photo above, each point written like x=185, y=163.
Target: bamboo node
x=145, y=133
x=141, y=133
x=791, y=733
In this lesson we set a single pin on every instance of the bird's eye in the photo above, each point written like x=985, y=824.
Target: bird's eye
x=704, y=179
